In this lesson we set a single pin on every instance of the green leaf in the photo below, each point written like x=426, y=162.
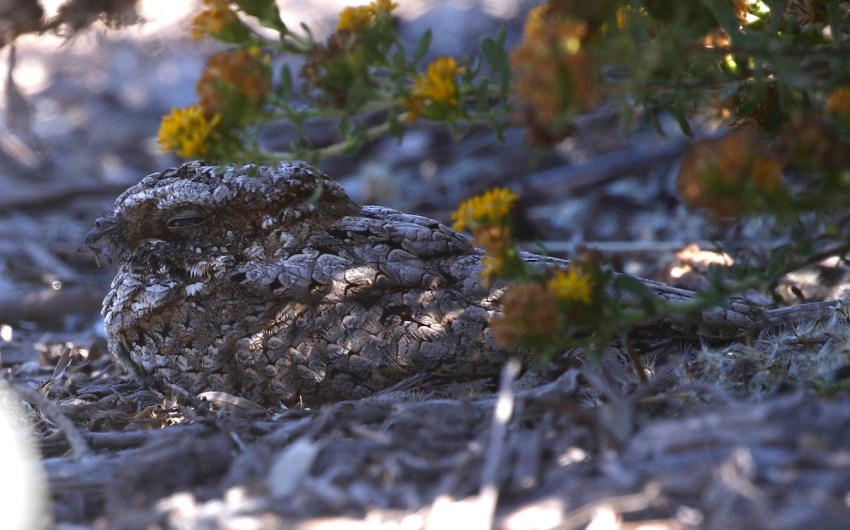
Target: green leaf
x=236, y=33
x=397, y=60
x=347, y=127
x=678, y=113
x=266, y=13
x=307, y=31
x=627, y=113
x=493, y=51
x=725, y=14
x=396, y=127
x=422, y=48
x=472, y=68
x=778, y=265
x=778, y=7
x=645, y=297
x=286, y=84
x=499, y=129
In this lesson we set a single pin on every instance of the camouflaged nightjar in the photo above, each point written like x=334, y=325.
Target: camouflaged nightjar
x=270, y=283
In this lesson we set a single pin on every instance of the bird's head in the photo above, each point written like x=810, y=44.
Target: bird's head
x=196, y=214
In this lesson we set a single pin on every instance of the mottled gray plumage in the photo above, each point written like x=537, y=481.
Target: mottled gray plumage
x=272, y=284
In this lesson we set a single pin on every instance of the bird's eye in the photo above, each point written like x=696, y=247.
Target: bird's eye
x=186, y=221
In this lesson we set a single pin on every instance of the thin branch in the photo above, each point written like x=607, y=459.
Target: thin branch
x=501, y=416
x=50, y=410
x=567, y=180
x=58, y=196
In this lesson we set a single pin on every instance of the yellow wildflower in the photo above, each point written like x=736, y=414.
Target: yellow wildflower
x=535, y=18
x=624, y=13
x=187, y=131
x=354, y=19
x=838, y=102
x=489, y=208
x=438, y=84
x=435, y=88
x=214, y=19
x=572, y=286
x=383, y=6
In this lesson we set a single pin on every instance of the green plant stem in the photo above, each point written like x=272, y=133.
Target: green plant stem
x=290, y=113
x=634, y=358
x=331, y=150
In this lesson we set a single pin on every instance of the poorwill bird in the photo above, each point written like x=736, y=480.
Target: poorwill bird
x=270, y=283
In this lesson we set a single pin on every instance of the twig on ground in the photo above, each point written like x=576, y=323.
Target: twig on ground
x=50, y=304
x=501, y=416
x=567, y=180
x=639, y=247
x=636, y=502
x=50, y=410
x=58, y=196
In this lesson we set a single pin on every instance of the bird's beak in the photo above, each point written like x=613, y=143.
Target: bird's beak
x=103, y=226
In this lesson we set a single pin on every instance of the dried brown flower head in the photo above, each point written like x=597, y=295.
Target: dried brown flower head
x=554, y=74
x=233, y=80
x=726, y=174
x=530, y=315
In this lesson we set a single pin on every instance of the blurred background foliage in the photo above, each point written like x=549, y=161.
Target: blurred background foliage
x=763, y=87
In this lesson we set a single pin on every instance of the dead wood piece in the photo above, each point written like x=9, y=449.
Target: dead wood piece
x=51, y=410
x=605, y=168
x=52, y=196
x=527, y=449
x=636, y=502
x=651, y=248
x=90, y=475
x=799, y=314
x=79, y=488
x=133, y=439
x=161, y=468
x=50, y=305
x=737, y=320
x=46, y=261
x=376, y=457
x=493, y=459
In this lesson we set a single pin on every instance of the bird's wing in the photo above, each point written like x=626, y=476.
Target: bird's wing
x=418, y=235
x=380, y=250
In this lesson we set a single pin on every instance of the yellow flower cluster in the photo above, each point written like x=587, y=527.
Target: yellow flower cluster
x=214, y=19
x=486, y=217
x=354, y=19
x=490, y=208
x=438, y=83
x=187, y=131
x=437, y=87
x=572, y=286
x=535, y=19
